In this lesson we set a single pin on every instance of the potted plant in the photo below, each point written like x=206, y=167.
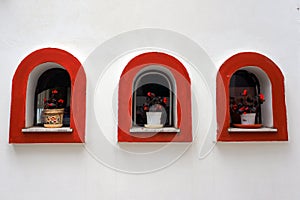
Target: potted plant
x=154, y=106
x=243, y=109
x=53, y=111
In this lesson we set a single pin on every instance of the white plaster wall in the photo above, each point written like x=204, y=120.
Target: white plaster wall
x=200, y=170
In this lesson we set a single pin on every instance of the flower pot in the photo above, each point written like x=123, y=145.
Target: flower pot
x=248, y=118
x=53, y=118
x=153, y=118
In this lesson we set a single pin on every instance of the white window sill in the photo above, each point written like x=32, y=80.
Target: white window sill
x=252, y=130
x=47, y=130
x=138, y=129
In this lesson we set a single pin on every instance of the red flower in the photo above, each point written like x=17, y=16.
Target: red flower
x=53, y=101
x=245, y=103
x=150, y=94
x=261, y=97
x=51, y=104
x=165, y=100
x=242, y=108
x=154, y=103
x=60, y=101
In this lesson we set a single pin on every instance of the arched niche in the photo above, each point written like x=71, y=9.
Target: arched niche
x=24, y=85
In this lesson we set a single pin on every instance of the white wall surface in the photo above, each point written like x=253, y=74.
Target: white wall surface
x=208, y=33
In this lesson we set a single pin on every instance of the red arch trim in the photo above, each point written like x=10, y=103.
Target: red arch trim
x=278, y=98
x=183, y=84
x=18, y=98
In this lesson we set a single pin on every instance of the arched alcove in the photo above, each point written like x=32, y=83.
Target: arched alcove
x=161, y=74
x=23, y=102
x=271, y=84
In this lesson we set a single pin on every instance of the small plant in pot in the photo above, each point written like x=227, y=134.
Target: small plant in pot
x=53, y=110
x=154, y=106
x=243, y=109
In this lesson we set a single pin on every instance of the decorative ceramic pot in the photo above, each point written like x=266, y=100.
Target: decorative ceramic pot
x=53, y=118
x=248, y=118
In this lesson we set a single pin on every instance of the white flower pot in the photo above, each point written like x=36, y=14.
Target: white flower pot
x=248, y=118
x=153, y=118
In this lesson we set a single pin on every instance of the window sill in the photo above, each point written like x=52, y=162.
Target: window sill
x=47, y=130
x=154, y=130
x=252, y=130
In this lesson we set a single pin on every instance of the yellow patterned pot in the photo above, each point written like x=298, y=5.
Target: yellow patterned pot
x=53, y=118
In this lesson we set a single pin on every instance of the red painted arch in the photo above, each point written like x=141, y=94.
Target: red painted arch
x=183, y=85
x=18, y=98
x=227, y=69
